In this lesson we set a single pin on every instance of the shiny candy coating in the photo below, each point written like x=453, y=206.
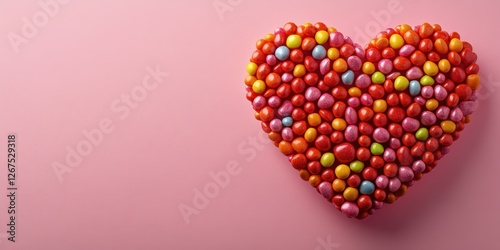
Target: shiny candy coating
x=362, y=125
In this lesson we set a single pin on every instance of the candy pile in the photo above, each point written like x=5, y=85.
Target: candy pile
x=362, y=125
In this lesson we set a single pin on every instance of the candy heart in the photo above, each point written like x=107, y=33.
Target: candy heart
x=362, y=125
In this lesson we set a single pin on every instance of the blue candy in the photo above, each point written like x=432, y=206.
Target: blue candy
x=367, y=187
x=414, y=87
x=287, y=121
x=319, y=52
x=282, y=53
x=348, y=77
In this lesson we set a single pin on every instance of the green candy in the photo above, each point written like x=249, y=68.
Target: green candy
x=426, y=80
x=422, y=134
x=376, y=148
x=357, y=166
x=378, y=77
x=327, y=160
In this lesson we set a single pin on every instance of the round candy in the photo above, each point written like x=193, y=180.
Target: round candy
x=350, y=209
x=287, y=121
x=344, y=152
x=293, y=41
x=378, y=77
x=414, y=87
x=381, y=135
x=367, y=187
x=382, y=181
x=351, y=194
x=401, y=83
x=321, y=36
x=357, y=166
x=339, y=186
x=319, y=52
x=396, y=41
x=259, y=86
x=282, y=53
x=422, y=134
x=376, y=148
x=327, y=159
x=342, y=171
x=348, y=77
x=426, y=80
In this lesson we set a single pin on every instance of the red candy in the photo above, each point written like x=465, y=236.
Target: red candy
x=344, y=153
x=326, y=104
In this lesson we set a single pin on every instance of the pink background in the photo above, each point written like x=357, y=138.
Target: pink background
x=126, y=194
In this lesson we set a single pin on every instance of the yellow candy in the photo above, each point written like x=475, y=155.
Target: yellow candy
x=396, y=41
x=299, y=70
x=321, y=37
x=339, y=124
x=338, y=185
x=379, y=106
x=431, y=104
x=307, y=24
x=314, y=119
x=351, y=194
x=430, y=68
x=368, y=68
x=456, y=45
x=293, y=41
x=342, y=171
x=333, y=53
x=259, y=86
x=444, y=65
x=401, y=83
x=252, y=68
x=354, y=92
x=448, y=126
x=310, y=134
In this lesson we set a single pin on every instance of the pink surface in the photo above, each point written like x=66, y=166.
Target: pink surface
x=165, y=145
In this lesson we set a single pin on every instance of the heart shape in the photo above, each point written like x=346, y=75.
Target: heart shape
x=362, y=125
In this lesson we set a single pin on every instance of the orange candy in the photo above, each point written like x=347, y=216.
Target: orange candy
x=285, y=148
x=441, y=46
x=425, y=30
x=473, y=81
x=411, y=37
x=300, y=145
x=340, y=65
x=273, y=80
